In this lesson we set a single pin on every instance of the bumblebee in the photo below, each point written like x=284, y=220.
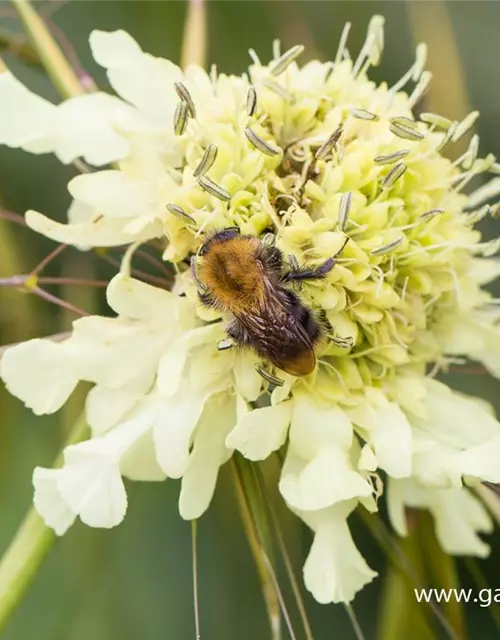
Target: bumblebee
x=247, y=277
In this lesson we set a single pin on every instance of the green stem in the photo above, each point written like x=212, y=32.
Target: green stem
x=256, y=547
x=194, y=42
x=51, y=56
x=29, y=547
x=440, y=569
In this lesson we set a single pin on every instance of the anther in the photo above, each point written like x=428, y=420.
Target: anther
x=185, y=96
x=284, y=61
x=386, y=248
x=207, y=160
x=394, y=174
x=344, y=209
x=181, y=118
x=179, y=212
x=251, y=101
x=277, y=382
x=260, y=144
x=391, y=158
x=329, y=144
x=363, y=114
x=214, y=189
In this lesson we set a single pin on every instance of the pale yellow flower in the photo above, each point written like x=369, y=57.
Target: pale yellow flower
x=311, y=154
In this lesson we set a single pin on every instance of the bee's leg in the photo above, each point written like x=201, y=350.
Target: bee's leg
x=342, y=343
x=299, y=274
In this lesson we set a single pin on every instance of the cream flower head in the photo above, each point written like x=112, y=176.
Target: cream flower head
x=310, y=156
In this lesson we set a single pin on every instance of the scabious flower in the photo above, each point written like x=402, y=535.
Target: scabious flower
x=312, y=155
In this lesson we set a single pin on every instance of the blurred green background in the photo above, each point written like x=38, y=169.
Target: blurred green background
x=135, y=581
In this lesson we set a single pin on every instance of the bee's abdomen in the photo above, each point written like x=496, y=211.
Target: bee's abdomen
x=301, y=365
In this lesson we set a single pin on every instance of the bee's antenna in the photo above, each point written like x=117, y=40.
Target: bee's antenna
x=346, y=240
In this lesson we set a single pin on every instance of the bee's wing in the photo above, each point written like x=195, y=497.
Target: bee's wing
x=276, y=334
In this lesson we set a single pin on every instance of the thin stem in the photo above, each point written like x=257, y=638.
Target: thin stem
x=153, y=261
x=85, y=79
x=194, y=536
x=50, y=297
x=194, y=38
x=17, y=218
x=28, y=280
x=48, y=259
x=286, y=559
x=53, y=59
x=73, y=281
x=355, y=623
x=29, y=547
x=268, y=590
x=161, y=282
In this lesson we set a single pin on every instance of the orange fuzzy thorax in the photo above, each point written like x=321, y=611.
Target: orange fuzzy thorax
x=233, y=273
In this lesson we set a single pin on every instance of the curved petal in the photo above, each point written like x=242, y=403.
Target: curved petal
x=48, y=501
x=141, y=79
x=25, y=117
x=176, y=421
x=104, y=407
x=391, y=440
x=482, y=461
x=140, y=301
x=101, y=231
x=114, y=352
x=86, y=128
x=113, y=193
x=396, y=507
x=40, y=373
x=90, y=481
x=316, y=426
x=261, y=431
x=335, y=570
x=139, y=463
x=79, y=127
x=208, y=454
x=324, y=481
x=459, y=516
x=95, y=491
x=247, y=380
x=456, y=419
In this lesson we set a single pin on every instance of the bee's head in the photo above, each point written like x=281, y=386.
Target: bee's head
x=218, y=237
